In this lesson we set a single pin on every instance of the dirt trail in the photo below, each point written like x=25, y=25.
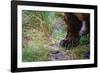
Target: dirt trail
x=58, y=54
x=56, y=51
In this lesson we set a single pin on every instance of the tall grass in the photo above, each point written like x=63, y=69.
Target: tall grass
x=38, y=27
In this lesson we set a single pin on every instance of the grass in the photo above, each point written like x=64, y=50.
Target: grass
x=35, y=54
x=34, y=49
x=79, y=52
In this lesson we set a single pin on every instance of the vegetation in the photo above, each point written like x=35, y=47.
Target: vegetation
x=41, y=29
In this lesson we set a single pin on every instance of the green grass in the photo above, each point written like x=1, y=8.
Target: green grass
x=34, y=49
x=80, y=51
x=35, y=54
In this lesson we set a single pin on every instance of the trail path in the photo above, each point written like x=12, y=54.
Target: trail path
x=58, y=54
x=56, y=51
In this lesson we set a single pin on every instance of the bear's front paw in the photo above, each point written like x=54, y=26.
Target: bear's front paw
x=70, y=42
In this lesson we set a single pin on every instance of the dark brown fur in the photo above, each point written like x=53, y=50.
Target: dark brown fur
x=74, y=24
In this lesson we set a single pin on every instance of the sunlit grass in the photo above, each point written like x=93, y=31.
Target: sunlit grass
x=34, y=49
